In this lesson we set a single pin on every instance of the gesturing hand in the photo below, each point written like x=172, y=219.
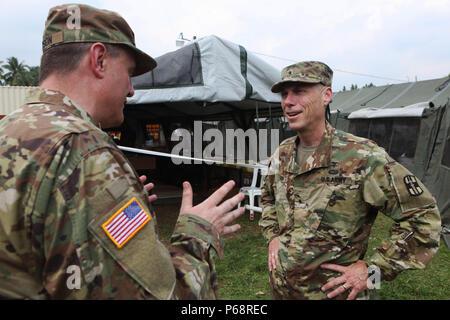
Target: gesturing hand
x=353, y=277
x=148, y=187
x=210, y=210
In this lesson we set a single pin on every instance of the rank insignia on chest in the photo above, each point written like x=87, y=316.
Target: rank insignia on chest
x=126, y=222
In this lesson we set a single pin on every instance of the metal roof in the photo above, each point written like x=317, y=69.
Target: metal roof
x=12, y=97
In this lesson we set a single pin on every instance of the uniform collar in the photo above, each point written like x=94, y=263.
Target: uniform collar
x=319, y=159
x=41, y=95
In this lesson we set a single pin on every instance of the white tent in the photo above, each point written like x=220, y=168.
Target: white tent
x=411, y=111
x=209, y=76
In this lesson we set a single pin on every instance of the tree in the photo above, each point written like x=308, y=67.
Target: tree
x=15, y=71
x=19, y=74
x=355, y=86
x=1, y=74
x=32, y=76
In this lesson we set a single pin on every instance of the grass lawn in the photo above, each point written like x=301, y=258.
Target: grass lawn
x=433, y=283
x=243, y=272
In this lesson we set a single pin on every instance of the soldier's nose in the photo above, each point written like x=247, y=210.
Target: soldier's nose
x=288, y=101
x=131, y=90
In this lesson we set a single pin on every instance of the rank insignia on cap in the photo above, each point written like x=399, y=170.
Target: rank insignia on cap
x=126, y=222
x=412, y=185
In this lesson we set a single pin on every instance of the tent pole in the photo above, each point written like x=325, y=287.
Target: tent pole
x=270, y=117
x=257, y=117
x=257, y=127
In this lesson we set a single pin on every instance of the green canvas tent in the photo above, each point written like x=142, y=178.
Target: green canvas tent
x=211, y=81
x=412, y=122
x=210, y=78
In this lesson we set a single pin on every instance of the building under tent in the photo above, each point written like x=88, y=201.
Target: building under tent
x=11, y=98
x=411, y=121
x=211, y=78
x=210, y=81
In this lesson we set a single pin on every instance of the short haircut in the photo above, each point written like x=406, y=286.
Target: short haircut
x=66, y=58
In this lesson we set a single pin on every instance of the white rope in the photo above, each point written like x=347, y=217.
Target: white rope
x=176, y=156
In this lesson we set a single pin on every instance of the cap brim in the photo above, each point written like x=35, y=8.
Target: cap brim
x=277, y=87
x=144, y=63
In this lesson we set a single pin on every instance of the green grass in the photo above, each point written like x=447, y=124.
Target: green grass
x=243, y=272
x=432, y=283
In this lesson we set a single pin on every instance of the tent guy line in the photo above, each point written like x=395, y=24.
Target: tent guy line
x=169, y=155
x=175, y=156
x=351, y=72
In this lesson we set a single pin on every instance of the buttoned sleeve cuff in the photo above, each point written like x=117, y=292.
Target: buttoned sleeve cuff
x=387, y=271
x=195, y=227
x=270, y=236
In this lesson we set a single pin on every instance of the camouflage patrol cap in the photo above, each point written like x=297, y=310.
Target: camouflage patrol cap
x=71, y=23
x=306, y=71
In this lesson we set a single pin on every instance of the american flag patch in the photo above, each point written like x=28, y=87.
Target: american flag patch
x=126, y=222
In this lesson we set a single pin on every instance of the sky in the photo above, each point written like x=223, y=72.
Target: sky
x=371, y=41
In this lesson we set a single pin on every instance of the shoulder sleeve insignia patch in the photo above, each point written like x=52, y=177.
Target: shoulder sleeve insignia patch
x=126, y=222
x=412, y=185
x=411, y=192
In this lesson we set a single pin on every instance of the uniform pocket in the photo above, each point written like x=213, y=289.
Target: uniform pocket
x=343, y=214
x=310, y=205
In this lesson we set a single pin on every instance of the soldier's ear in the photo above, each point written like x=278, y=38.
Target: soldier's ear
x=97, y=59
x=327, y=95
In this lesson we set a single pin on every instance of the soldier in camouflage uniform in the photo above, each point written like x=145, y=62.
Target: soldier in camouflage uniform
x=322, y=194
x=63, y=182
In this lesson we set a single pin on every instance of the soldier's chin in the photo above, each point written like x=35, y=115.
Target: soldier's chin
x=295, y=126
x=113, y=123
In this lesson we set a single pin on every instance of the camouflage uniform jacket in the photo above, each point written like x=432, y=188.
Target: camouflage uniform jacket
x=61, y=178
x=323, y=212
